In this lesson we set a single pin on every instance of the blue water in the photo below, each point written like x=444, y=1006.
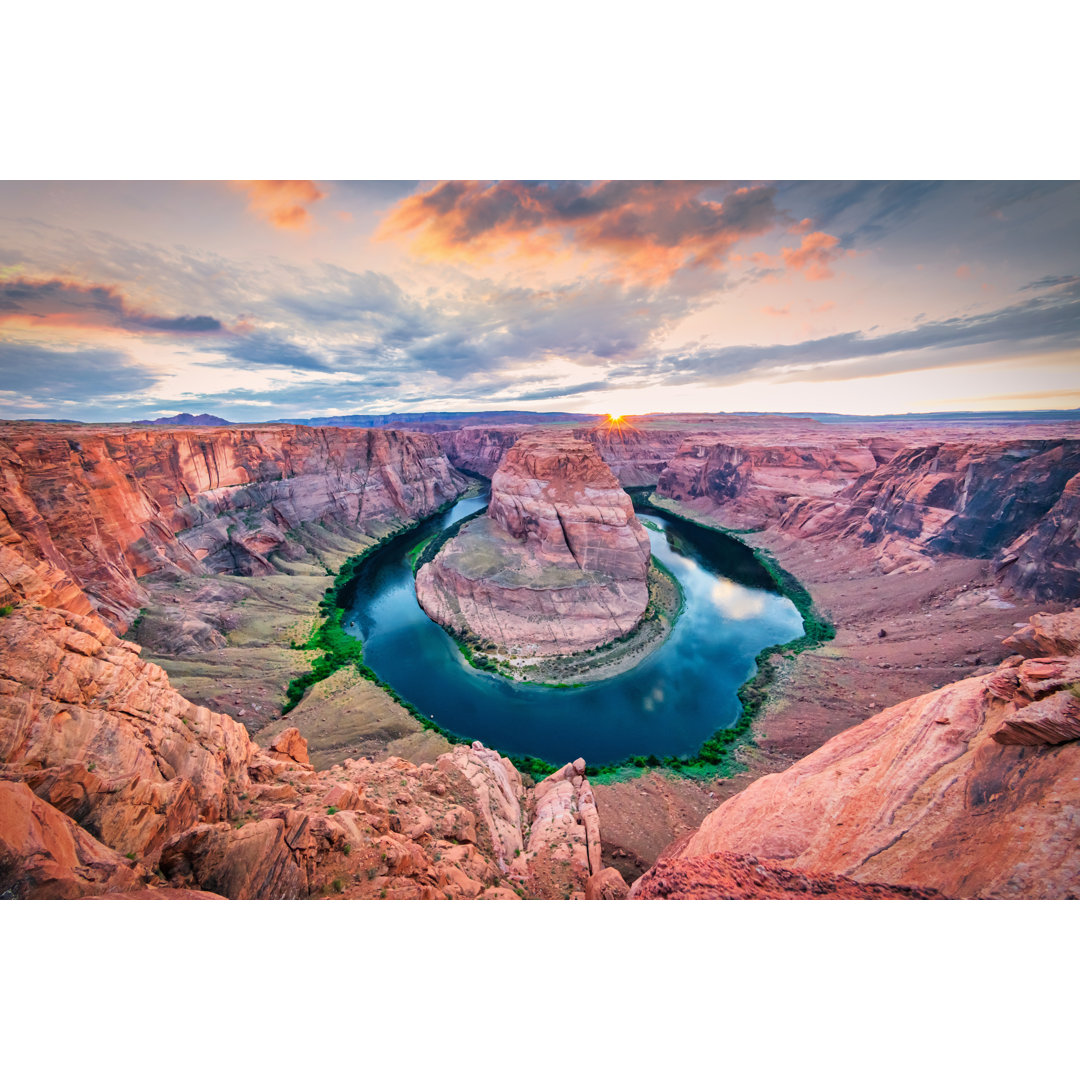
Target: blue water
x=667, y=705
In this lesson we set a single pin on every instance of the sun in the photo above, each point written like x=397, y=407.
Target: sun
x=615, y=417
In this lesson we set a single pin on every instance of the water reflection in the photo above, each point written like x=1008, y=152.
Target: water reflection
x=669, y=704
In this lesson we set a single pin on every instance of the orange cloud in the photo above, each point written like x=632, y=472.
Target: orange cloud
x=813, y=256
x=963, y=271
x=284, y=203
x=770, y=310
x=650, y=228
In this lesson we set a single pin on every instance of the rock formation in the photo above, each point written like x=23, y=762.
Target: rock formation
x=559, y=563
x=106, y=506
x=721, y=875
x=967, y=790
x=113, y=783
x=1002, y=500
x=1043, y=562
x=751, y=484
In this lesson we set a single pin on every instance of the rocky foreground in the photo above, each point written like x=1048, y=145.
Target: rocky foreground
x=557, y=566
x=972, y=791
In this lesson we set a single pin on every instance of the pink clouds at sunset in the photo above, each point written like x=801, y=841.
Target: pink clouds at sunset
x=284, y=203
x=652, y=228
x=813, y=256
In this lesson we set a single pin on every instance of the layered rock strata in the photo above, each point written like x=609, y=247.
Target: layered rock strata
x=559, y=563
x=106, y=506
x=970, y=790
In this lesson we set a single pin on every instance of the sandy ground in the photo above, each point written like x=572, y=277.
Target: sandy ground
x=344, y=716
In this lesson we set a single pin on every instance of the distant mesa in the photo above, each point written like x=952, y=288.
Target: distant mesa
x=557, y=566
x=186, y=419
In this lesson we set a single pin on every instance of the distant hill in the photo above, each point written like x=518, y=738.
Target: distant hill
x=185, y=419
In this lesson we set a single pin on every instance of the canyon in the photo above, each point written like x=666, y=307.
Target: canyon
x=557, y=566
x=929, y=750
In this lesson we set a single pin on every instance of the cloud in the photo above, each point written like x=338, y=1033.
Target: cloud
x=62, y=376
x=284, y=203
x=57, y=302
x=813, y=255
x=652, y=228
x=866, y=210
x=1040, y=324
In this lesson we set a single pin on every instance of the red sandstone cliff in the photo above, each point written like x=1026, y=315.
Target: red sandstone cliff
x=105, y=506
x=557, y=566
x=968, y=790
x=752, y=484
x=1015, y=501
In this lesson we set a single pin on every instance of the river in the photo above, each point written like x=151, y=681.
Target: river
x=666, y=705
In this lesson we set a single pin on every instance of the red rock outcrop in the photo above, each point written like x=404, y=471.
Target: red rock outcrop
x=1004, y=500
x=925, y=794
x=1048, y=635
x=101, y=735
x=720, y=875
x=557, y=566
x=752, y=484
x=110, y=775
x=1044, y=562
x=44, y=855
x=105, y=506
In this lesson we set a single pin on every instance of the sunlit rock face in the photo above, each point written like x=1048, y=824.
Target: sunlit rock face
x=968, y=790
x=101, y=507
x=559, y=563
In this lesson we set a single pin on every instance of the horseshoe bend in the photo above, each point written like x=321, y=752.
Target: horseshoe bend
x=153, y=584
x=558, y=540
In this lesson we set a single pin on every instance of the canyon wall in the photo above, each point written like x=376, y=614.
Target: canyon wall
x=106, y=506
x=1013, y=501
x=752, y=483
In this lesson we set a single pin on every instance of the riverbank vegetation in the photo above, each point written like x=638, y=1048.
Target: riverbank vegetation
x=337, y=648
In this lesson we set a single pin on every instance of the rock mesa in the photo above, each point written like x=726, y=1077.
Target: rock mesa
x=559, y=563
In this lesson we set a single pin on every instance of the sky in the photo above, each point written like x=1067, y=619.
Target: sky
x=261, y=300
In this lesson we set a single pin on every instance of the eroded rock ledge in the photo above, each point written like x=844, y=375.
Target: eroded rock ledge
x=557, y=566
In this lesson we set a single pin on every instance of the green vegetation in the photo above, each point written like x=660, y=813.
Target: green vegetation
x=429, y=549
x=339, y=649
x=6, y=610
